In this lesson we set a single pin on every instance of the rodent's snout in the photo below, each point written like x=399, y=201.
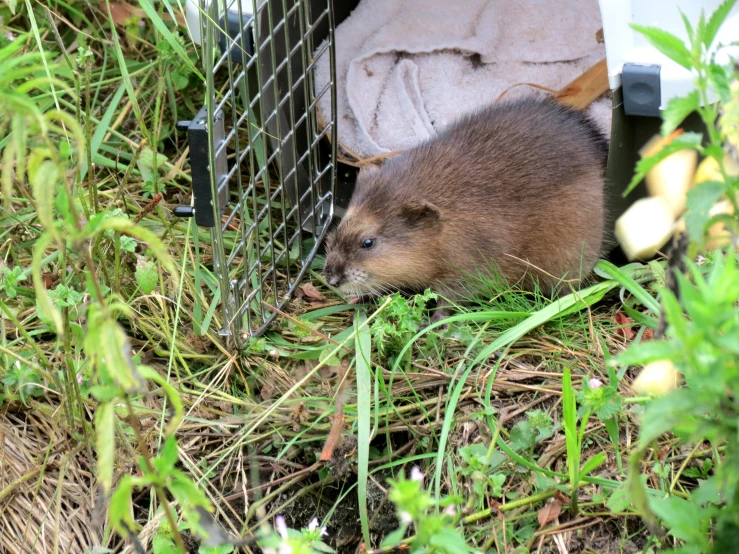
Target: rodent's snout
x=331, y=273
x=331, y=278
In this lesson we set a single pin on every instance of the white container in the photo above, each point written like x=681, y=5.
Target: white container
x=624, y=45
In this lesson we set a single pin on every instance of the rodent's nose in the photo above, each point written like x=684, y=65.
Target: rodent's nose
x=331, y=278
x=333, y=271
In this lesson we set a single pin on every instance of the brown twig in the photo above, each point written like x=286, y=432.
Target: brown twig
x=337, y=427
x=148, y=208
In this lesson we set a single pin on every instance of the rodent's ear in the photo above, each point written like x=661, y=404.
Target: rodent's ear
x=420, y=213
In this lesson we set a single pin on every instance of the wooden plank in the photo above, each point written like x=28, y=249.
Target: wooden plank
x=586, y=88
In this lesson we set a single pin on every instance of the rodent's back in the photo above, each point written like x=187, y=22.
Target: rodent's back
x=520, y=183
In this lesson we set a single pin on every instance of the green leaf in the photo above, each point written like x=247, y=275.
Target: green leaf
x=187, y=494
x=363, y=348
x=157, y=247
x=105, y=444
x=172, y=395
x=665, y=414
x=716, y=20
x=688, y=26
x=169, y=455
x=394, y=538
x=44, y=180
x=449, y=540
x=522, y=435
x=45, y=306
x=700, y=201
x=667, y=43
x=674, y=315
x=220, y=549
x=163, y=545
x=115, y=349
x=128, y=244
x=121, y=504
x=681, y=517
x=677, y=110
x=146, y=162
x=146, y=275
x=619, y=501
x=322, y=547
x=707, y=492
x=593, y=463
x=646, y=352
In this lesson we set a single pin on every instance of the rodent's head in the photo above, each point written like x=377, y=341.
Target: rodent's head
x=384, y=244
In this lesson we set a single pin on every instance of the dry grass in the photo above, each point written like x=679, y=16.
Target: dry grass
x=47, y=492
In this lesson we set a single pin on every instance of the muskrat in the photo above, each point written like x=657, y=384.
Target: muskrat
x=516, y=189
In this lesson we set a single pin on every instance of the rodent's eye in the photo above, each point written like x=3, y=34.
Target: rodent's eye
x=368, y=243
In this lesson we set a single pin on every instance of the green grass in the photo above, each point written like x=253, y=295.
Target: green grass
x=490, y=401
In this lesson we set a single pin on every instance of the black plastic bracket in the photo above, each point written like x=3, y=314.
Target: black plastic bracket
x=197, y=138
x=641, y=89
x=236, y=29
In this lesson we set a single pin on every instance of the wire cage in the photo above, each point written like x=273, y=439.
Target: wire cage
x=263, y=164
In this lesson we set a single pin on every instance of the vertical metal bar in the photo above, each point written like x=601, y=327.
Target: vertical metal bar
x=334, y=119
x=264, y=171
x=281, y=170
x=235, y=274
x=247, y=222
x=293, y=129
x=219, y=255
x=313, y=163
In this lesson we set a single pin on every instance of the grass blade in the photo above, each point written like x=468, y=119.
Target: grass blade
x=125, y=75
x=646, y=299
x=168, y=36
x=102, y=127
x=364, y=403
x=581, y=299
x=593, y=463
x=572, y=442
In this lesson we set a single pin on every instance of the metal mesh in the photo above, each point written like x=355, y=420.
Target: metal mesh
x=274, y=168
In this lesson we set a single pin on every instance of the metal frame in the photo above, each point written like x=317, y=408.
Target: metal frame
x=275, y=169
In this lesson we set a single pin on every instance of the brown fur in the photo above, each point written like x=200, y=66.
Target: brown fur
x=520, y=184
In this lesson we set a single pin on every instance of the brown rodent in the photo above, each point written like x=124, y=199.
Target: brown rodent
x=519, y=184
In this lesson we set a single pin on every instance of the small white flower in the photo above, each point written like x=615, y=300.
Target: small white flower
x=281, y=527
x=450, y=511
x=406, y=518
x=595, y=383
x=285, y=548
x=417, y=474
x=313, y=525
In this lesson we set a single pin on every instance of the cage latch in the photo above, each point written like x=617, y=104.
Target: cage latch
x=202, y=191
